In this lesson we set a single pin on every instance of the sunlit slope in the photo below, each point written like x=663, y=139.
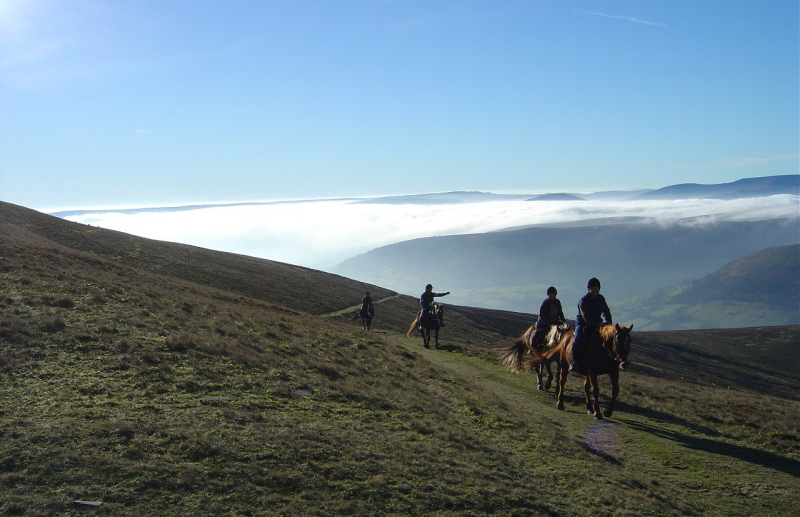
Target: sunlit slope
x=149, y=394
x=759, y=289
x=278, y=283
x=285, y=284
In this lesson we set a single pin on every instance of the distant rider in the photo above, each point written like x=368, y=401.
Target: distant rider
x=592, y=309
x=550, y=313
x=366, y=305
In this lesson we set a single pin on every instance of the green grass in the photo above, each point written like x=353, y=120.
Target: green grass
x=153, y=394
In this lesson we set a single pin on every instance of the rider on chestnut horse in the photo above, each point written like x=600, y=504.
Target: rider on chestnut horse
x=550, y=313
x=426, y=305
x=592, y=308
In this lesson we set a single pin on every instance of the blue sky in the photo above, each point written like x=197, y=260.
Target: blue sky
x=145, y=102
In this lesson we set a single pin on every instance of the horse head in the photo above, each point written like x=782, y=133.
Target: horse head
x=622, y=345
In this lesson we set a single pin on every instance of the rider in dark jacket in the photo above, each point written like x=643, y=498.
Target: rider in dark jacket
x=366, y=305
x=426, y=298
x=426, y=302
x=592, y=309
x=550, y=313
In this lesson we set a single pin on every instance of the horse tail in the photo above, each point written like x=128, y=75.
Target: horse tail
x=511, y=356
x=414, y=325
x=537, y=358
x=527, y=337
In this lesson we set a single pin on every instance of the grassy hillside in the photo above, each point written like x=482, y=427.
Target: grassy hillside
x=762, y=288
x=131, y=389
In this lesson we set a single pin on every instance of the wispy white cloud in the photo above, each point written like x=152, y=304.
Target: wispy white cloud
x=622, y=17
x=320, y=234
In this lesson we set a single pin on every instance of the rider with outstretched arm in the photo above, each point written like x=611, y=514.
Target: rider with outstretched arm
x=426, y=302
x=426, y=298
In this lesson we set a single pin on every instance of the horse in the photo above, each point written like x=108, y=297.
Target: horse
x=512, y=356
x=366, y=313
x=606, y=353
x=426, y=321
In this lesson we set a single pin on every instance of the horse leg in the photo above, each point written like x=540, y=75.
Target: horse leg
x=587, y=393
x=549, y=378
x=538, y=370
x=426, y=336
x=562, y=380
x=435, y=337
x=592, y=396
x=614, y=376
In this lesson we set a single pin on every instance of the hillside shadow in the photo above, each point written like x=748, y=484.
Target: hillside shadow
x=755, y=456
x=451, y=348
x=667, y=418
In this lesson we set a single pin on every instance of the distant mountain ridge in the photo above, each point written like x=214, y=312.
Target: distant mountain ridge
x=748, y=187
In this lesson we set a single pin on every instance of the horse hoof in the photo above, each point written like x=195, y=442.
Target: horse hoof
x=598, y=416
x=540, y=388
x=560, y=406
x=607, y=413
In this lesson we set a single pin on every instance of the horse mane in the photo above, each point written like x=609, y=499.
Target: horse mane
x=607, y=332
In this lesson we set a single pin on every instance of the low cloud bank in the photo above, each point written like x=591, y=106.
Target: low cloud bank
x=320, y=234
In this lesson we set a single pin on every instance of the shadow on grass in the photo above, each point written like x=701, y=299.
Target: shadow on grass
x=748, y=454
x=666, y=418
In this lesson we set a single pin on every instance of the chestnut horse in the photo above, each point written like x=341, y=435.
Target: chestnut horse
x=606, y=352
x=512, y=356
x=430, y=320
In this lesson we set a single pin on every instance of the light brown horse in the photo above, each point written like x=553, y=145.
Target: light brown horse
x=606, y=352
x=433, y=320
x=512, y=356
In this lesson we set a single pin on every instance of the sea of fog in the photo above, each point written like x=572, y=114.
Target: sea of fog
x=319, y=234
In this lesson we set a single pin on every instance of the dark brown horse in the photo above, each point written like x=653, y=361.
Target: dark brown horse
x=366, y=313
x=427, y=321
x=606, y=352
x=512, y=356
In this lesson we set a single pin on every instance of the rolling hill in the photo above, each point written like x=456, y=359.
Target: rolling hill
x=747, y=187
x=149, y=378
x=762, y=288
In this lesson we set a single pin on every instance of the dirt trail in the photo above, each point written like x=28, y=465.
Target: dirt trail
x=518, y=389
x=354, y=308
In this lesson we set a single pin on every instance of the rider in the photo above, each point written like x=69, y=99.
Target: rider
x=426, y=301
x=366, y=304
x=550, y=313
x=592, y=308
